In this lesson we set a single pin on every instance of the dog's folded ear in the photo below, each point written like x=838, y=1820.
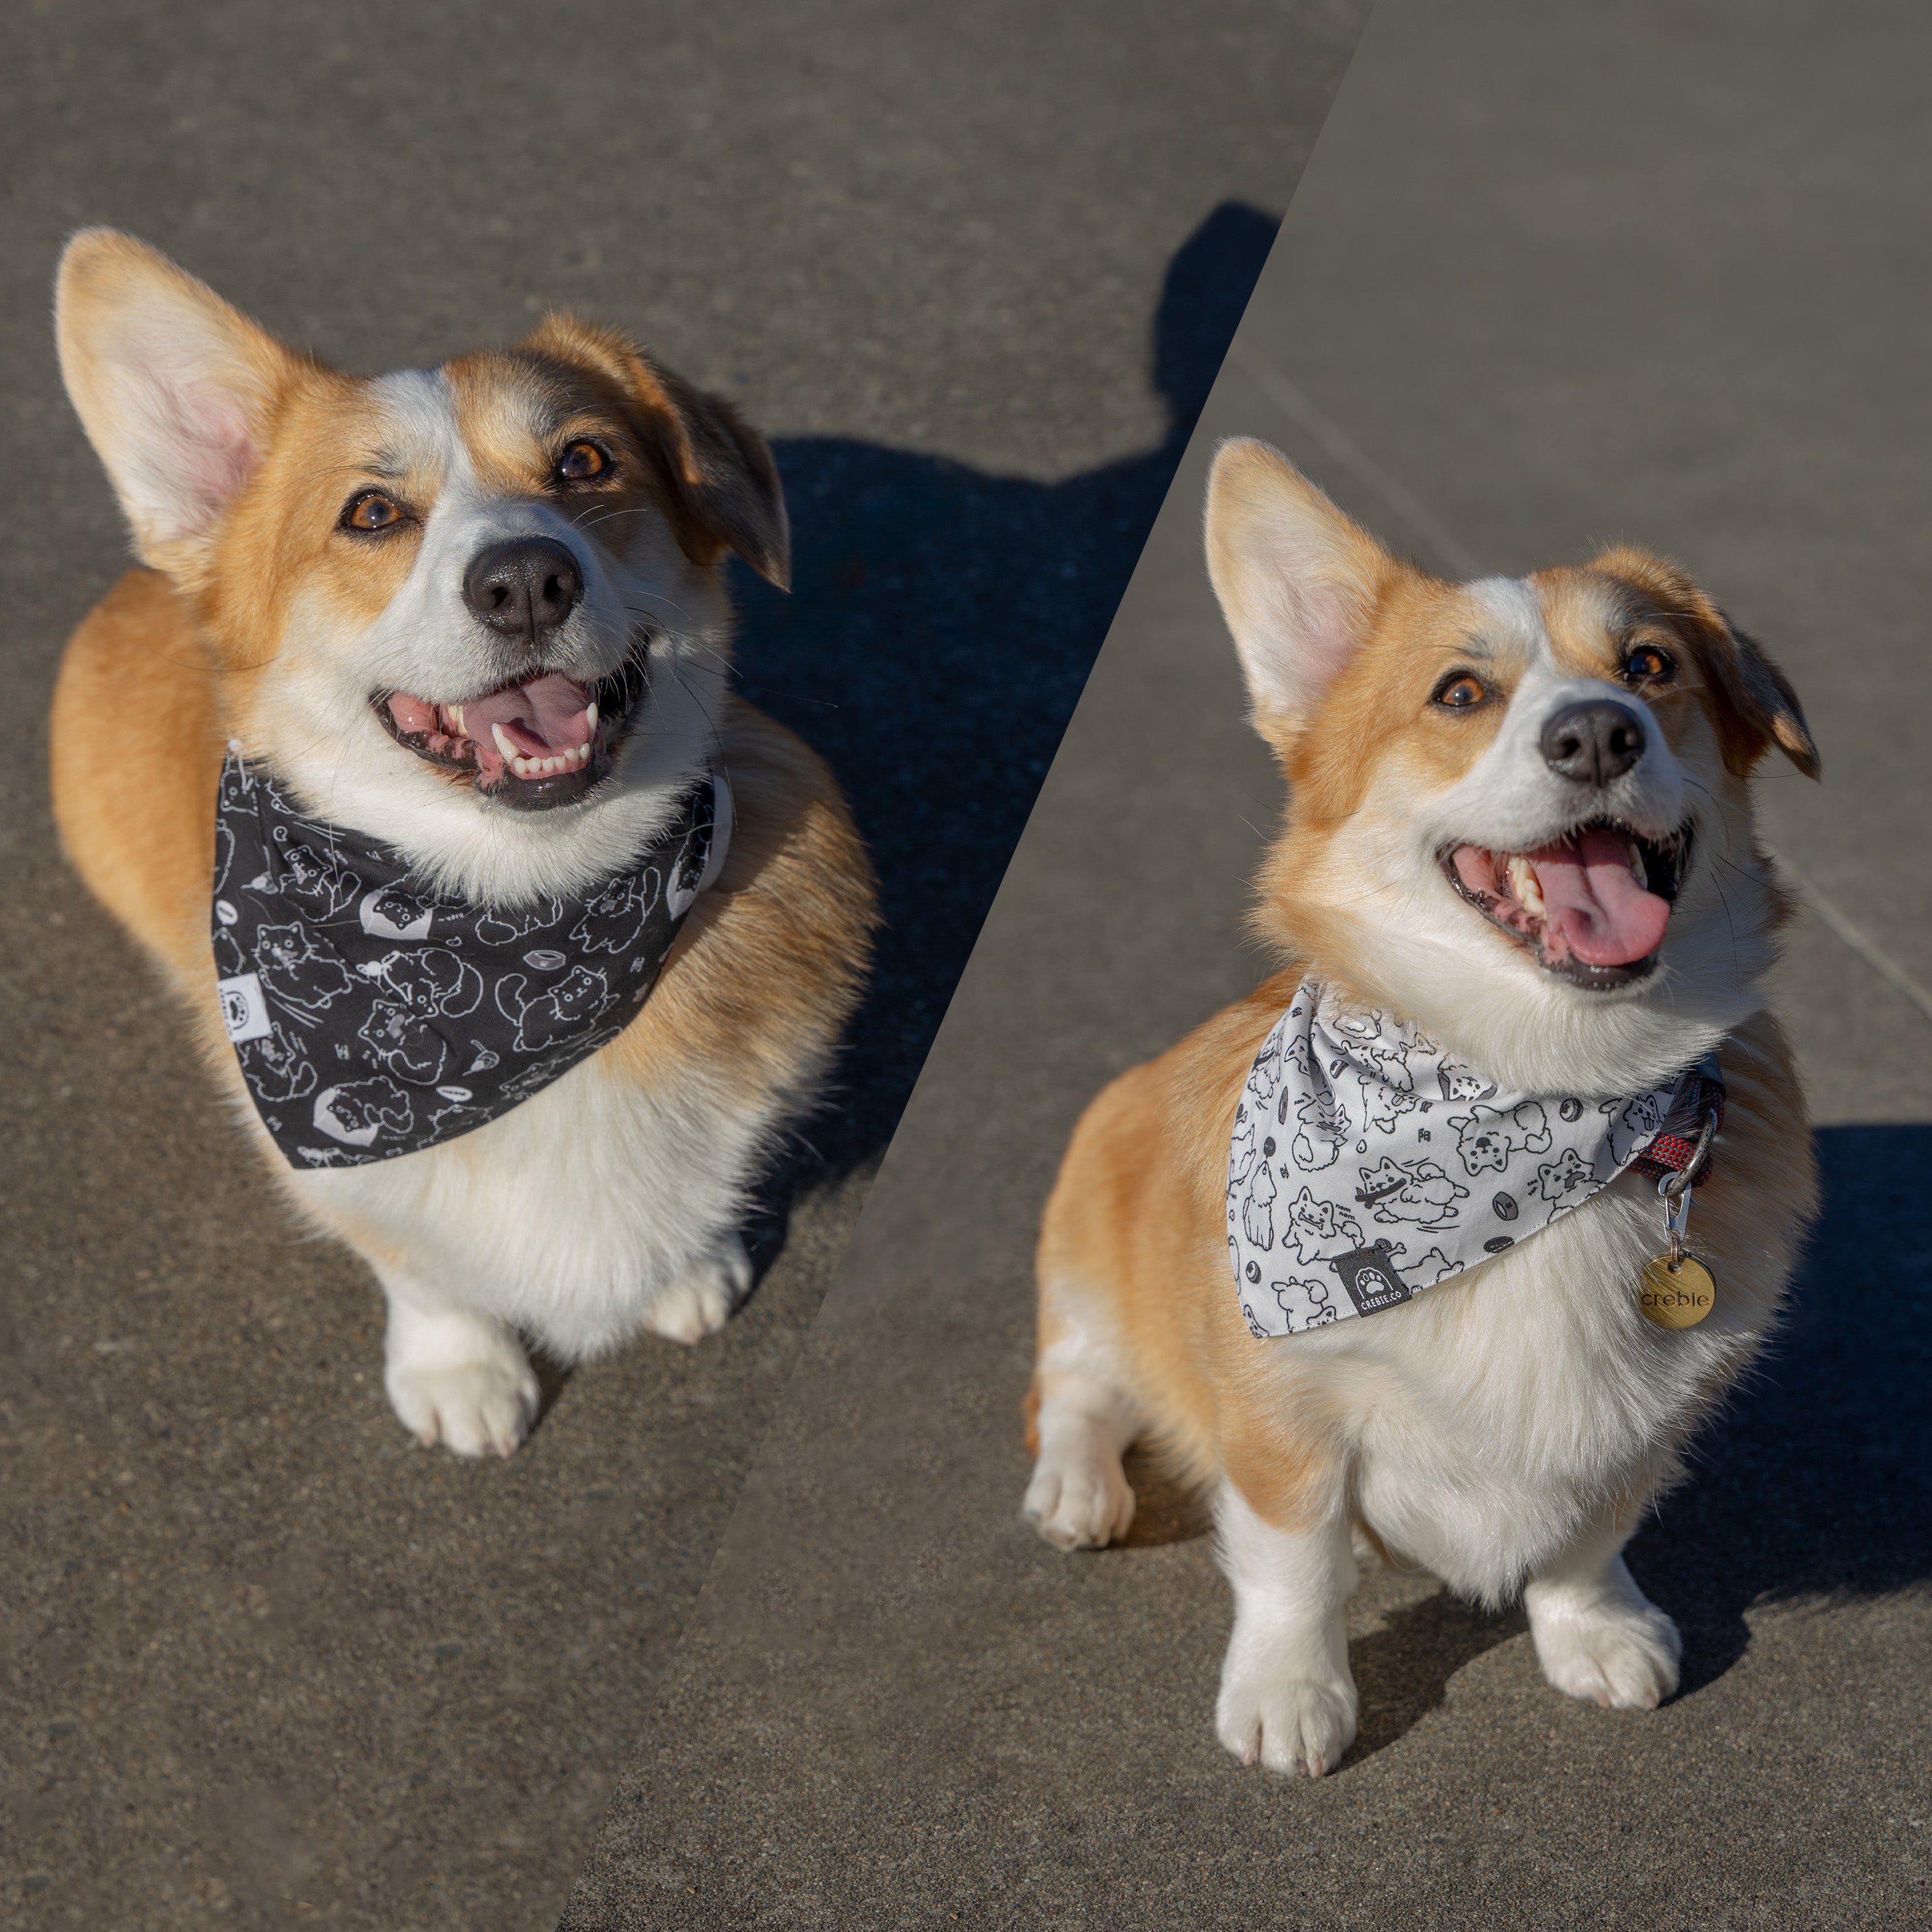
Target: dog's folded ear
x=1756, y=707
x=175, y=389
x=722, y=486
x=1770, y=706
x=1298, y=582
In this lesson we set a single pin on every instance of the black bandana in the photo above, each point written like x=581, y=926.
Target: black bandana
x=373, y=1016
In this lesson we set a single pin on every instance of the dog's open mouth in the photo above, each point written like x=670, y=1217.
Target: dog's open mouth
x=1592, y=906
x=540, y=741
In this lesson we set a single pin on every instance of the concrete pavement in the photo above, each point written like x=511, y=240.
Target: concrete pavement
x=264, y=1665
x=1556, y=273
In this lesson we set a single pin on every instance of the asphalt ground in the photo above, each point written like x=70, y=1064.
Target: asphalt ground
x=973, y=269
x=1556, y=273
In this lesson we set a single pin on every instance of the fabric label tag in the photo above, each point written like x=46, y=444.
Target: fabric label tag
x=1369, y=1275
x=245, y=1013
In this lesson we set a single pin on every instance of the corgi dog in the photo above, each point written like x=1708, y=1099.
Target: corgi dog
x=1519, y=837
x=470, y=621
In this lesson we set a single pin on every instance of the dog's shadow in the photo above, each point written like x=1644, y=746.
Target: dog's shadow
x=1816, y=1486
x=939, y=631
x=1167, y=1508
x=1402, y=1668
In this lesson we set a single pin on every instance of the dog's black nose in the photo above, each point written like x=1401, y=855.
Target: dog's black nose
x=525, y=588
x=1593, y=742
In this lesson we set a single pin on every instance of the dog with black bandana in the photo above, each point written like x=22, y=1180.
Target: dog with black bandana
x=518, y=938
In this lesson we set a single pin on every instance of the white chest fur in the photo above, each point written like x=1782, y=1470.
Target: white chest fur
x=1488, y=1419
x=567, y=1218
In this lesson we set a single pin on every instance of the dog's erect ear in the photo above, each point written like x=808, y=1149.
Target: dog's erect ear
x=724, y=487
x=175, y=390
x=1298, y=582
x=1757, y=708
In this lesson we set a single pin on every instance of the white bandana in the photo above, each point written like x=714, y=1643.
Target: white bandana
x=1367, y=1165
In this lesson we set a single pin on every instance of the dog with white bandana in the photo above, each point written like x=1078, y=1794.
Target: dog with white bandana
x=1369, y=1256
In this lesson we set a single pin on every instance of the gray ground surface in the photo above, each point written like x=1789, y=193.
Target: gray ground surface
x=261, y=1662
x=1556, y=272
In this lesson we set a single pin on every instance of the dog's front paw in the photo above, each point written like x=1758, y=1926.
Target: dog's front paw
x=460, y=1381
x=1622, y=1654
x=1269, y=1715
x=1079, y=1497
x=699, y=1303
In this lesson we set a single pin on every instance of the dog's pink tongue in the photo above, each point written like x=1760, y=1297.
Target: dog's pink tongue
x=542, y=716
x=1605, y=917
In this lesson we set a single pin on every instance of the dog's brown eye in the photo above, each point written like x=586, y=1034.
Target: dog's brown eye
x=1459, y=691
x=371, y=510
x=581, y=461
x=1647, y=664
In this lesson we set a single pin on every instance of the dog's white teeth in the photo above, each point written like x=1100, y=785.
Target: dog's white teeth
x=590, y=717
x=456, y=718
x=1638, y=870
x=1525, y=885
x=573, y=760
x=513, y=758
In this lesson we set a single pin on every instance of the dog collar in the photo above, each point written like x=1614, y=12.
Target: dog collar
x=373, y=1016
x=1367, y=1165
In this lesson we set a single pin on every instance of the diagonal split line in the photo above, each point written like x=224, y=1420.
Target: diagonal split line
x=1423, y=525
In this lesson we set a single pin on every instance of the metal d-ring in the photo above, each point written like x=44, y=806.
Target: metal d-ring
x=1674, y=1189
x=1669, y=1186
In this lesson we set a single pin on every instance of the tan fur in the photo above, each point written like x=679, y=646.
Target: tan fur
x=140, y=826
x=1135, y=1219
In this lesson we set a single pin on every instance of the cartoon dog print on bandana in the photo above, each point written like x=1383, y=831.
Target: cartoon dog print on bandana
x=1485, y=1138
x=1410, y=1190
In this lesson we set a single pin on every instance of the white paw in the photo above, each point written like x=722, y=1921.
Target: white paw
x=460, y=1382
x=699, y=1303
x=1288, y=1722
x=1079, y=1497
x=1623, y=1655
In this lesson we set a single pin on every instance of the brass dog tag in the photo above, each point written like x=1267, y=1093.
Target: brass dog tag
x=1677, y=1299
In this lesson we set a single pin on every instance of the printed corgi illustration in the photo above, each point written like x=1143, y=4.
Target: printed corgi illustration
x=1410, y=1190
x=1486, y=1139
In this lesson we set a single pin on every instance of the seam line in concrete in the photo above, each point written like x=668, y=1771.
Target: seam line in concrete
x=1403, y=503
x=1408, y=509
x=1887, y=969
